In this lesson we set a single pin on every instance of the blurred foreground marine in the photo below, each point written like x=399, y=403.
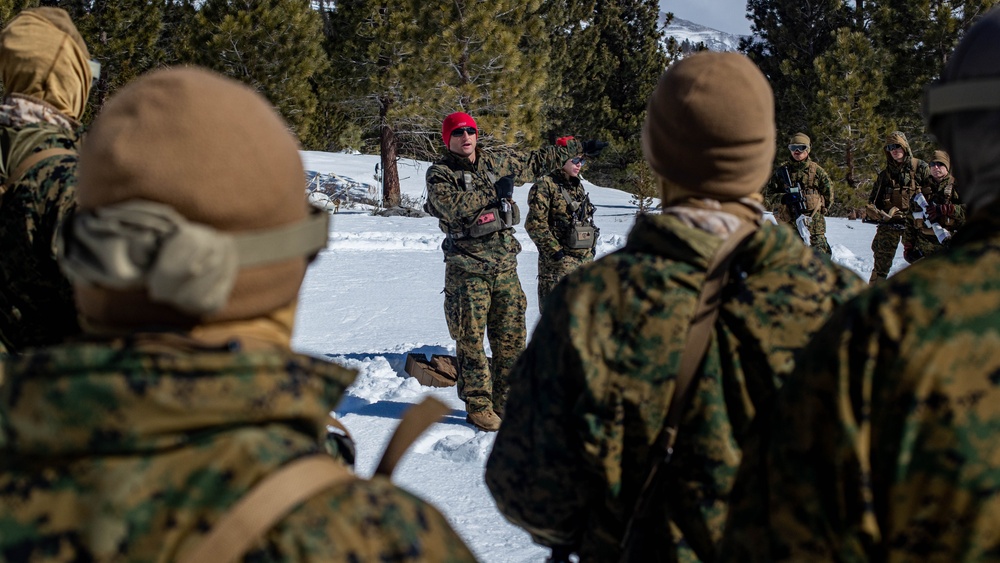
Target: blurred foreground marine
x=800, y=192
x=935, y=214
x=561, y=224
x=134, y=443
x=46, y=72
x=471, y=192
x=601, y=384
x=882, y=444
x=901, y=179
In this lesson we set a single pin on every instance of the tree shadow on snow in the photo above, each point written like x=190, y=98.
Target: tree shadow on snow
x=390, y=409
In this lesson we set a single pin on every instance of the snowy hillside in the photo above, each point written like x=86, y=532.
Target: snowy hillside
x=375, y=295
x=691, y=34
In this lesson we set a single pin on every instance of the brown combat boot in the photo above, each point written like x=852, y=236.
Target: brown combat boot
x=484, y=420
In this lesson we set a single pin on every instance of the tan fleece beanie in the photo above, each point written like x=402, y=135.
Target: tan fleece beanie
x=43, y=56
x=800, y=139
x=941, y=156
x=215, y=151
x=710, y=126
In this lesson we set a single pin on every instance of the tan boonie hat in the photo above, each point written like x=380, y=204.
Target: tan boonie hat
x=709, y=126
x=43, y=56
x=176, y=162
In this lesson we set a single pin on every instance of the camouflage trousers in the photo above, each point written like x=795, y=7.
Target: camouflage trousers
x=493, y=304
x=925, y=245
x=551, y=272
x=884, y=245
x=817, y=234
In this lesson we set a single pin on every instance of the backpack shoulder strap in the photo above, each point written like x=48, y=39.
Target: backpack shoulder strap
x=699, y=336
x=812, y=174
x=279, y=493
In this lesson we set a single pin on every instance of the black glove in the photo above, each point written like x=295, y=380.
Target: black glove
x=593, y=147
x=505, y=187
x=911, y=254
x=559, y=255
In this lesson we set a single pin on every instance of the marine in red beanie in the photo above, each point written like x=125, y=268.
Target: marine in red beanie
x=471, y=192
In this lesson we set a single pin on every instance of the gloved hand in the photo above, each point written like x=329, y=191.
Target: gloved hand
x=911, y=254
x=936, y=212
x=593, y=147
x=559, y=255
x=505, y=187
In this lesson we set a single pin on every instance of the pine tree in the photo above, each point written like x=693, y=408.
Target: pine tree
x=849, y=132
x=787, y=37
x=571, y=39
x=274, y=46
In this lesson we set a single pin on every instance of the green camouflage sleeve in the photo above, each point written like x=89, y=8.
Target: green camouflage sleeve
x=824, y=185
x=539, y=209
x=525, y=167
x=774, y=191
x=450, y=201
x=881, y=183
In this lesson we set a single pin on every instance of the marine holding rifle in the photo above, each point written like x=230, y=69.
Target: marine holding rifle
x=936, y=212
x=900, y=180
x=561, y=223
x=800, y=192
x=594, y=388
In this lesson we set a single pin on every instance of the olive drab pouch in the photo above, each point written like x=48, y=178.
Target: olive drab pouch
x=813, y=199
x=581, y=237
x=582, y=233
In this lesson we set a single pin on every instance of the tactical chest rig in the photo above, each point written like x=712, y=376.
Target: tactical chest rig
x=493, y=218
x=582, y=234
x=899, y=195
x=811, y=197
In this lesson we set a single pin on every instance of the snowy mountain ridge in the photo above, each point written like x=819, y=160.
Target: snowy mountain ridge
x=689, y=34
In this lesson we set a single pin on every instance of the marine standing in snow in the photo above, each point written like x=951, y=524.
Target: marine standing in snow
x=882, y=445
x=561, y=223
x=800, y=186
x=471, y=193
x=591, y=393
x=889, y=200
x=47, y=74
x=944, y=207
x=132, y=445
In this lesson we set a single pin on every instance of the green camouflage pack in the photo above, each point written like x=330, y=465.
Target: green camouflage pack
x=132, y=451
x=591, y=391
x=548, y=224
x=36, y=300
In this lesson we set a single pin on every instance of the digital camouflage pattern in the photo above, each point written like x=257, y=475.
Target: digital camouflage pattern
x=894, y=187
x=882, y=445
x=132, y=451
x=36, y=300
x=475, y=304
x=481, y=286
x=921, y=237
x=590, y=393
x=548, y=224
x=814, y=182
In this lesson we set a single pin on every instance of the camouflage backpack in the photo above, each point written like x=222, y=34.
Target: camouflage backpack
x=21, y=155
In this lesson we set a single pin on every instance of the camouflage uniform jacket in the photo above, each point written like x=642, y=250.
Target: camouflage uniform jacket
x=882, y=445
x=456, y=204
x=590, y=393
x=549, y=215
x=807, y=174
x=131, y=452
x=897, y=183
x=36, y=300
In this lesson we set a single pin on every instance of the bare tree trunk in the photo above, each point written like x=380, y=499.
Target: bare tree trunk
x=389, y=149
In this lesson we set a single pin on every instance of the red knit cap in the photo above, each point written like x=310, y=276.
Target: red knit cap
x=454, y=121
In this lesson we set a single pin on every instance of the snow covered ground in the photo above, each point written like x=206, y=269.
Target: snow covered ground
x=375, y=295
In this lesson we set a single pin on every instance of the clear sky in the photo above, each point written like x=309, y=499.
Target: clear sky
x=724, y=15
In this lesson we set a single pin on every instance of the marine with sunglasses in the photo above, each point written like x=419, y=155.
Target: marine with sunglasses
x=890, y=199
x=815, y=191
x=561, y=223
x=471, y=193
x=944, y=207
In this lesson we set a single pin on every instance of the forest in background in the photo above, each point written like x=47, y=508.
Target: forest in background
x=379, y=76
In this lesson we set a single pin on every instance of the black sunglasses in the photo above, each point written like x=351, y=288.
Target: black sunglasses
x=457, y=132
x=798, y=148
x=578, y=160
x=893, y=147
x=936, y=164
